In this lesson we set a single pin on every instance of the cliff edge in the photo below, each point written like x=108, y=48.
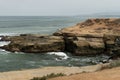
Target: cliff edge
x=93, y=36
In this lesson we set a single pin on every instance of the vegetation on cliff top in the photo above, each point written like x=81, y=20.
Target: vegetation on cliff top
x=52, y=75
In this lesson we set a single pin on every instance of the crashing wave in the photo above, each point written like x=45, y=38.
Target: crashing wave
x=8, y=34
x=2, y=43
x=62, y=55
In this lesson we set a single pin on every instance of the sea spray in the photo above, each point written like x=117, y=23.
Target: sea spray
x=2, y=43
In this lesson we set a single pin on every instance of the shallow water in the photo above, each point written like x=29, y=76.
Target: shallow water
x=16, y=61
x=44, y=25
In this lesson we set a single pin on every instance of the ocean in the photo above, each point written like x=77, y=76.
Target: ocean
x=15, y=25
x=38, y=24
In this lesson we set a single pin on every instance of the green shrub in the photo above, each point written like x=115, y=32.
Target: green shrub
x=52, y=75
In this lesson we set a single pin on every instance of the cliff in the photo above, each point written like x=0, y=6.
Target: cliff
x=93, y=36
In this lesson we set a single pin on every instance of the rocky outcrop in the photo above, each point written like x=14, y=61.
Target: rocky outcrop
x=94, y=36
x=92, y=28
x=34, y=43
x=85, y=46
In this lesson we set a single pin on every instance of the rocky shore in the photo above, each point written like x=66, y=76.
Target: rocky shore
x=91, y=37
x=31, y=43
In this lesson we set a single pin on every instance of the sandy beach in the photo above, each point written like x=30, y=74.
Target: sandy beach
x=30, y=73
x=108, y=74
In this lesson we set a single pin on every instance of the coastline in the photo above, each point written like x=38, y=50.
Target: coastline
x=87, y=38
x=30, y=73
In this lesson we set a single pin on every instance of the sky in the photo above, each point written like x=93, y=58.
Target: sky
x=56, y=7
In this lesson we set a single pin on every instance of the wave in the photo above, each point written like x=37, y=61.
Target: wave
x=62, y=55
x=8, y=34
x=2, y=50
x=18, y=52
x=3, y=43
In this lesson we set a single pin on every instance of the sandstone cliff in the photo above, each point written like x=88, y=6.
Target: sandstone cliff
x=93, y=36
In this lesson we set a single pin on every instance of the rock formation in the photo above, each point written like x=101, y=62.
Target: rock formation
x=34, y=43
x=94, y=36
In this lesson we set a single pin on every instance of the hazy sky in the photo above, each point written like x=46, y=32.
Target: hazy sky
x=57, y=7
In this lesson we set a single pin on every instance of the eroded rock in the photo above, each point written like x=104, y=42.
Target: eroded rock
x=35, y=43
x=93, y=36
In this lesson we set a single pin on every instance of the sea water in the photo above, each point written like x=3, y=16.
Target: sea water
x=15, y=25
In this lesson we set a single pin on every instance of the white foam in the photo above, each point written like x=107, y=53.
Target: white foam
x=18, y=52
x=7, y=34
x=2, y=50
x=2, y=43
x=61, y=54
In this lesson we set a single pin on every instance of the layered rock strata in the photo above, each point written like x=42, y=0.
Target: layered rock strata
x=34, y=43
x=94, y=36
